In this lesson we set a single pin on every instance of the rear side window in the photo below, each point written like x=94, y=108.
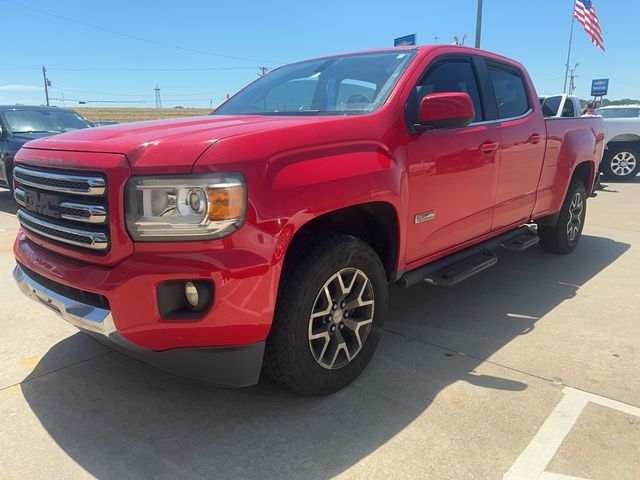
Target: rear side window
x=550, y=106
x=451, y=76
x=567, y=110
x=510, y=91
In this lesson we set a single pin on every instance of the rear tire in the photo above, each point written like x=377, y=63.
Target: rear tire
x=565, y=235
x=328, y=321
x=621, y=161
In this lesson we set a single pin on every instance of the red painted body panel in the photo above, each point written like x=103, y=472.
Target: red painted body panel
x=480, y=181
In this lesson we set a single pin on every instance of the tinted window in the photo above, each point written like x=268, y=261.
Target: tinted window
x=454, y=76
x=510, y=91
x=340, y=85
x=550, y=106
x=567, y=110
x=619, y=112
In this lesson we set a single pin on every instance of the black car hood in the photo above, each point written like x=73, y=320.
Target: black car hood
x=17, y=140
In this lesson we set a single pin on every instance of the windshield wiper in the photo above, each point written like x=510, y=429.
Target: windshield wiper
x=38, y=131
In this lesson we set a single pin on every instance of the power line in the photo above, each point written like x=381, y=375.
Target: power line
x=175, y=96
x=130, y=69
x=135, y=37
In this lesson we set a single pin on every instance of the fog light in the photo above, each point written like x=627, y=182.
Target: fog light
x=191, y=294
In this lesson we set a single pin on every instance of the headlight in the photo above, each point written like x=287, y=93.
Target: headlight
x=185, y=207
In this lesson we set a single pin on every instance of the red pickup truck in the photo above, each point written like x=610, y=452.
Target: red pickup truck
x=263, y=237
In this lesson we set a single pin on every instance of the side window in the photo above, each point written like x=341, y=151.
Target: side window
x=568, y=110
x=452, y=76
x=510, y=91
x=550, y=106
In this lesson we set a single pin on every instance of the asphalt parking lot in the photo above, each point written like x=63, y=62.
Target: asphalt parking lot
x=526, y=371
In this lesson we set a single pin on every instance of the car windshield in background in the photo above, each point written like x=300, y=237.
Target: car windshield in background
x=42, y=121
x=342, y=85
x=619, y=112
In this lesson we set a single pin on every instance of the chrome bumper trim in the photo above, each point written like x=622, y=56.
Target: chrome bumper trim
x=81, y=315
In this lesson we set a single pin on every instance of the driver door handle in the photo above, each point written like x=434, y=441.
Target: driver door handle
x=535, y=138
x=488, y=147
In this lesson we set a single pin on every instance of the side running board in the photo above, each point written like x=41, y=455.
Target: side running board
x=459, y=266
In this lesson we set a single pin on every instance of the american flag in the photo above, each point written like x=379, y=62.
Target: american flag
x=585, y=12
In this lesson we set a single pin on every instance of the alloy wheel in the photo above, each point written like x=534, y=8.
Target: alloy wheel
x=341, y=318
x=623, y=163
x=576, y=210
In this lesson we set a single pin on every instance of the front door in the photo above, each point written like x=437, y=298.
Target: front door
x=452, y=173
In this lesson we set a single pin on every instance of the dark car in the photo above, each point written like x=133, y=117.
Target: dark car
x=21, y=123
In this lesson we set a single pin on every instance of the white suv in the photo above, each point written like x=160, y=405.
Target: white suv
x=621, y=159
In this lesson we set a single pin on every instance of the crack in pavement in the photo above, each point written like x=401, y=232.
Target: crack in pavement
x=28, y=380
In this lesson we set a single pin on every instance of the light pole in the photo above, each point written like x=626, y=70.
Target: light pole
x=479, y=24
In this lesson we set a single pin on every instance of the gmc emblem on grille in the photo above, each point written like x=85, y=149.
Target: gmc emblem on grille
x=42, y=203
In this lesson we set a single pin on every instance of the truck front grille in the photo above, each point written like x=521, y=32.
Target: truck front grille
x=67, y=207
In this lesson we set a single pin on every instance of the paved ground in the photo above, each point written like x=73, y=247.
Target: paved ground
x=527, y=371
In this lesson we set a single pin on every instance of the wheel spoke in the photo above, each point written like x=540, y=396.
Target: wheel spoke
x=327, y=310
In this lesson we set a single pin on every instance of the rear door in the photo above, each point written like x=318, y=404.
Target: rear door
x=522, y=137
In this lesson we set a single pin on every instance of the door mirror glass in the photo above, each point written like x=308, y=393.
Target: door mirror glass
x=446, y=110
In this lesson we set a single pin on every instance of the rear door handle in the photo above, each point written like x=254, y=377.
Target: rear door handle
x=488, y=147
x=535, y=138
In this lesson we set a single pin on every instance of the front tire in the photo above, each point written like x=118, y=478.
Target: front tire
x=621, y=161
x=329, y=314
x=565, y=235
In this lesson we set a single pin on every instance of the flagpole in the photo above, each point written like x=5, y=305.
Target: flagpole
x=566, y=71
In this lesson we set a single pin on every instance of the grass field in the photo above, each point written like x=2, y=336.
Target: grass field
x=123, y=115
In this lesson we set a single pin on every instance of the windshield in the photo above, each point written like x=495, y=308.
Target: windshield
x=42, y=121
x=348, y=84
x=619, y=112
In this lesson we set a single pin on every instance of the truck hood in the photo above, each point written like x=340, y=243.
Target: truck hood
x=174, y=143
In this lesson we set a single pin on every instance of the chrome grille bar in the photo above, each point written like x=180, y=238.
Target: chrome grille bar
x=73, y=236
x=80, y=212
x=60, y=182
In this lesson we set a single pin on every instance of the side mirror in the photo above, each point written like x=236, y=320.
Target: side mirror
x=446, y=110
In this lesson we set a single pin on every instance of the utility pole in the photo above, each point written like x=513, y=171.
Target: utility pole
x=47, y=84
x=64, y=105
x=479, y=24
x=158, y=100
x=262, y=71
x=572, y=77
x=435, y=39
x=566, y=71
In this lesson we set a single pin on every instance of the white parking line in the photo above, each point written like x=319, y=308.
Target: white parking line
x=533, y=461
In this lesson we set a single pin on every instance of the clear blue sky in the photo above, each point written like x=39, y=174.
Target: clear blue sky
x=267, y=33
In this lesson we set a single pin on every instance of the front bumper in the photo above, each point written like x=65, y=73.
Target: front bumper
x=232, y=366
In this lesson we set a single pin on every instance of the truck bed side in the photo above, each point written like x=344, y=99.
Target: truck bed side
x=570, y=142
